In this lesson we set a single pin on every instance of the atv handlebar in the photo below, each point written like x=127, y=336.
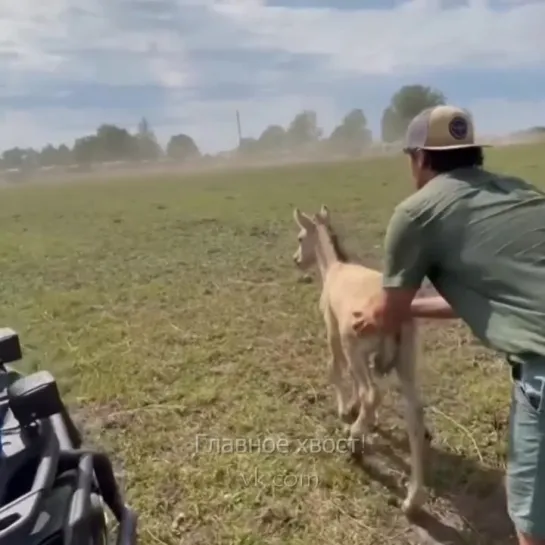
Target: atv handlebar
x=45, y=426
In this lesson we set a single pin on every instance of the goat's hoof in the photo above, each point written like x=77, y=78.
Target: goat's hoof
x=350, y=414
x=428, y=435
x=408, y=507
x=413, y=503
x=358, y=441
x=346, y=417
x=357, y=431
x=356, y=446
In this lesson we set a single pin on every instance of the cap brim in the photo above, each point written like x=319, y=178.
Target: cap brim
x=456, y=146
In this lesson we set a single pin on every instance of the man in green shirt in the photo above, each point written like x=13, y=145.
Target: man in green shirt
x=479, y=237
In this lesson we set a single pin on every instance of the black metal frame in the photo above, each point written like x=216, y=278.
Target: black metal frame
x=47, y=434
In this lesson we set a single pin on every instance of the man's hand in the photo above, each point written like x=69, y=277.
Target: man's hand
x=387, y=313
x=364, y=324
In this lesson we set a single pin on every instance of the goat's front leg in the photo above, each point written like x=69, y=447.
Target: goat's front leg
x=414, y=417
x=368, y=394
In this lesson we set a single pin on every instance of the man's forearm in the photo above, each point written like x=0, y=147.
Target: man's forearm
x=432, y=307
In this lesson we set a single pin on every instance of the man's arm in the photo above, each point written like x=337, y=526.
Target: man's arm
x=406, y=262
x=432, y=307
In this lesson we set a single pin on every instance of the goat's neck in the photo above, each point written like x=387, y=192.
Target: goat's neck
x=325, y=252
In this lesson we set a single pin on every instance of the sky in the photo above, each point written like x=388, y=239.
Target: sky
x=188, y=65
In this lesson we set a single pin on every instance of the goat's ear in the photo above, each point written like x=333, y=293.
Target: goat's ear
x=323, y=214
x=301, y=218
x=324, y=211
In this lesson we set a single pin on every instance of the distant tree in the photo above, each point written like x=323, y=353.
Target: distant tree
x=249, y=146
x=48, y=156
x=147, y=146
x=272, y=139
x=115, y=143
x=352, y=135
x=13, y=158
x=86, y=150
x=182, y=148
x=110, y=143
x=392, y=127
x=52, y=156
x=64, y=155
x=407, y=103
x=32, y=159
x=303, y=130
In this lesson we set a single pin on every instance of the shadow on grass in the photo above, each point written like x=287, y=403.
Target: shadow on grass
x=469, y=506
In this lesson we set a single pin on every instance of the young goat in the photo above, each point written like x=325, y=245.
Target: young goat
x=346, y=288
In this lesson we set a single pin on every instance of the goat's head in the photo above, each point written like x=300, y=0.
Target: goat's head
x=305, y=256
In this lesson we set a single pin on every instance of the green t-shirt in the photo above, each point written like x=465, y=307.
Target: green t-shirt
x=480, y=239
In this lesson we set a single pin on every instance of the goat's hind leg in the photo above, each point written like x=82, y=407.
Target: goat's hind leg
x=414, y=416
x=355, y=403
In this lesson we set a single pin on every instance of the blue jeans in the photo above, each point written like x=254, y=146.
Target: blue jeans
x=526, y=453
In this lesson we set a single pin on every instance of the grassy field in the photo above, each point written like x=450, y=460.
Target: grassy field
x=171, y=308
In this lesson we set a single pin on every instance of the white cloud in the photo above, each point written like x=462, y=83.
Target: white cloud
x=180, y=45
x=82, y=40
x=416, y=35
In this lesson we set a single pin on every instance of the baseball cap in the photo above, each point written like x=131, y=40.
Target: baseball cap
x=441, y=128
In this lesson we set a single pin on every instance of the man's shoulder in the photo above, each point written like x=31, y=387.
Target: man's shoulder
x=426, y=198
x=480, y=177
x=447, y=190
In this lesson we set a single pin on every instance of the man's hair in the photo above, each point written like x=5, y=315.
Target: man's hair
x=441, y=161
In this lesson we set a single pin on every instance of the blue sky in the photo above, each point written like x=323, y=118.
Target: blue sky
x=188, y=65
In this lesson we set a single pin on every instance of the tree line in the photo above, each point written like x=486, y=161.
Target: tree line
x=352, y=136
x=109, y=143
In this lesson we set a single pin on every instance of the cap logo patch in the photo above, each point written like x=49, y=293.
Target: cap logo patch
x=458, y=128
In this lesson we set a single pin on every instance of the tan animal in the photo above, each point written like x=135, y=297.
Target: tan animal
x=347, y=288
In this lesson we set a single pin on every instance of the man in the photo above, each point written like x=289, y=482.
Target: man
x=480, y=239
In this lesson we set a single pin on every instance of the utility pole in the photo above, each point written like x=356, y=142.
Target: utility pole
x=239, y=130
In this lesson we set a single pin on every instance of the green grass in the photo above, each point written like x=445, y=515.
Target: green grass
x=170, y=307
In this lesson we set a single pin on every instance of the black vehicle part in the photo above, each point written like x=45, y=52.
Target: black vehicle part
x=50, y=525
x=81, y=479
x=85, y=516
x=10, y=347
x=36, y=397
x=97, y=463
x=51, y=492
x=19, y=513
